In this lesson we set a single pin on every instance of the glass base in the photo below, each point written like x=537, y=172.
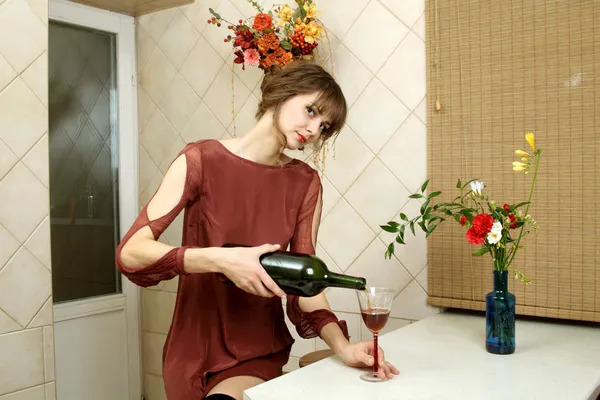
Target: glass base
x=371, y=376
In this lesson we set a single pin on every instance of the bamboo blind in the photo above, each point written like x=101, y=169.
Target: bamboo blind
x=500, y=69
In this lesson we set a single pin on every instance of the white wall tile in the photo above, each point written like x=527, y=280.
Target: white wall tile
x=390, y=273
x=19, y=21
x=22, y=112
x=7, y=159
x=350, y=73
x=339, y=15
x=406, y=153
x=376, y=115
x=7, y=73
x=24, y=202
x=377, y=185
x=156, y=23
x=404, y=71
x=9, y=246
x=38, y=243
x=25, y=285
x=157, y=75
x=179, y=103
x=201, y=66
x=344, y=235
x=408, y=11
x=346, y=160
x=219, y=99
x=178, y=39
x=34, y=393
x=202, y=125
x=7, y=324
x=374, y=35
x=22, y=361
x=411, y=303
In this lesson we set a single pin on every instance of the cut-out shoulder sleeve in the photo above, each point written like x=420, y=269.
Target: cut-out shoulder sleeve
x=309, y=324
x=169, y=264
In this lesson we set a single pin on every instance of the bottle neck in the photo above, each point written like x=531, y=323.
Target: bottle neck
x=346, y=281
x=501, y=281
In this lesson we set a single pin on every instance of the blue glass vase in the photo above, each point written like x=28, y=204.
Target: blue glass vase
x=500, y=316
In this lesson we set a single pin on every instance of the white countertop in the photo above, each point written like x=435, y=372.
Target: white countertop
x=444, y=357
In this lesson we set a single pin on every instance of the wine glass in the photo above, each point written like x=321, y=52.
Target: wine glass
x=375, y=306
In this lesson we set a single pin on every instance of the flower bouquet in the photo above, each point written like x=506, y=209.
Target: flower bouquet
x=275, y=37
x=498, y=230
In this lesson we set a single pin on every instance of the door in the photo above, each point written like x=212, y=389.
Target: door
x=93, y=201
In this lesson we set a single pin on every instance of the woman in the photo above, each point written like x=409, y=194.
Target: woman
x=228, y=331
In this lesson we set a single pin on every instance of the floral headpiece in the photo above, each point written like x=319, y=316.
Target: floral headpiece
x=275, y=37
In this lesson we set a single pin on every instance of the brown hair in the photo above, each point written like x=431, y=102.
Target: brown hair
x=298, y=78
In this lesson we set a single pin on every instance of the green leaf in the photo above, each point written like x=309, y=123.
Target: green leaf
x=216, y=15
x=400, y=240
x=390, y=229
x=390, y=248
x=424, y=207
x=402, y=231
x=422, y=225
x=403, y=217
x=412, y=227
x=432, y=195
x=519, y=205
x=393, y=224
x=286, y=45
x=430, y=231
x=416, y=196
x=458, y=184
x=481, y=252
x=424, y=186
x=300, y=13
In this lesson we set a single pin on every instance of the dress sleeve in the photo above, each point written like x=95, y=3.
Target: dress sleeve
x=170, y=264
x=309, y=324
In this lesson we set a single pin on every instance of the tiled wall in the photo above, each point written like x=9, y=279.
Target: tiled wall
x=185, y=94
x=26, y=331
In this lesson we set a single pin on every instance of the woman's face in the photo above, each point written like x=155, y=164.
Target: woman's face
x=301, y=121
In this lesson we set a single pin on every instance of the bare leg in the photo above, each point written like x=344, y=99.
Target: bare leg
x=235, y=386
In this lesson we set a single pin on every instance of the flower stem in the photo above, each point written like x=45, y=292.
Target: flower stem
x=516, y=246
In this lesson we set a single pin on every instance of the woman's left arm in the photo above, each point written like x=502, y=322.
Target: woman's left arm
x=353, y=354
x=312, y=316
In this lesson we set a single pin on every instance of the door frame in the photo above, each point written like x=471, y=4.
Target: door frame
x=129, y=300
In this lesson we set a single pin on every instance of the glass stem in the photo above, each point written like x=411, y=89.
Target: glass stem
x=375, y=354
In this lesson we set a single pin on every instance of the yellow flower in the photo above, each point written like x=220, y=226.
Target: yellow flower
x=312, y=31
x=285, y=15
x=531, y=140
x=521, y=153
x=311, y=11
x=518, y=166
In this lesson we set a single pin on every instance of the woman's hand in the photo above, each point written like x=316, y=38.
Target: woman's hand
x=241, y=265
x=361, y=355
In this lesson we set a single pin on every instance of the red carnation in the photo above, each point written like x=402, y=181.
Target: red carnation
x=511, y=217
x=463, y=220
x=262, y=22
x=482, y=225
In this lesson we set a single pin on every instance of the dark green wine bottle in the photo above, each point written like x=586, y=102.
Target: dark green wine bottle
x=304, y=275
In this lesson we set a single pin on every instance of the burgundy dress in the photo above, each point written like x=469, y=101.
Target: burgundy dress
x=219, y=331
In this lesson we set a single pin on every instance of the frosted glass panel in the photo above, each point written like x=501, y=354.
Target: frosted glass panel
x=83, y=161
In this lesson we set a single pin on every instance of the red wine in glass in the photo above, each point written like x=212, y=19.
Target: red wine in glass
x=375, y=318
x=375, y=306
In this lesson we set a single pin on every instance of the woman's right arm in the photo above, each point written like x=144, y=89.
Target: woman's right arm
x=146, y=261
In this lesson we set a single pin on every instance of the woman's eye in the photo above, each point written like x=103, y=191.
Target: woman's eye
x=310, y=110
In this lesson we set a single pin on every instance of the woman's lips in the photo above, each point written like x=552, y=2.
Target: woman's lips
x=301, y=137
